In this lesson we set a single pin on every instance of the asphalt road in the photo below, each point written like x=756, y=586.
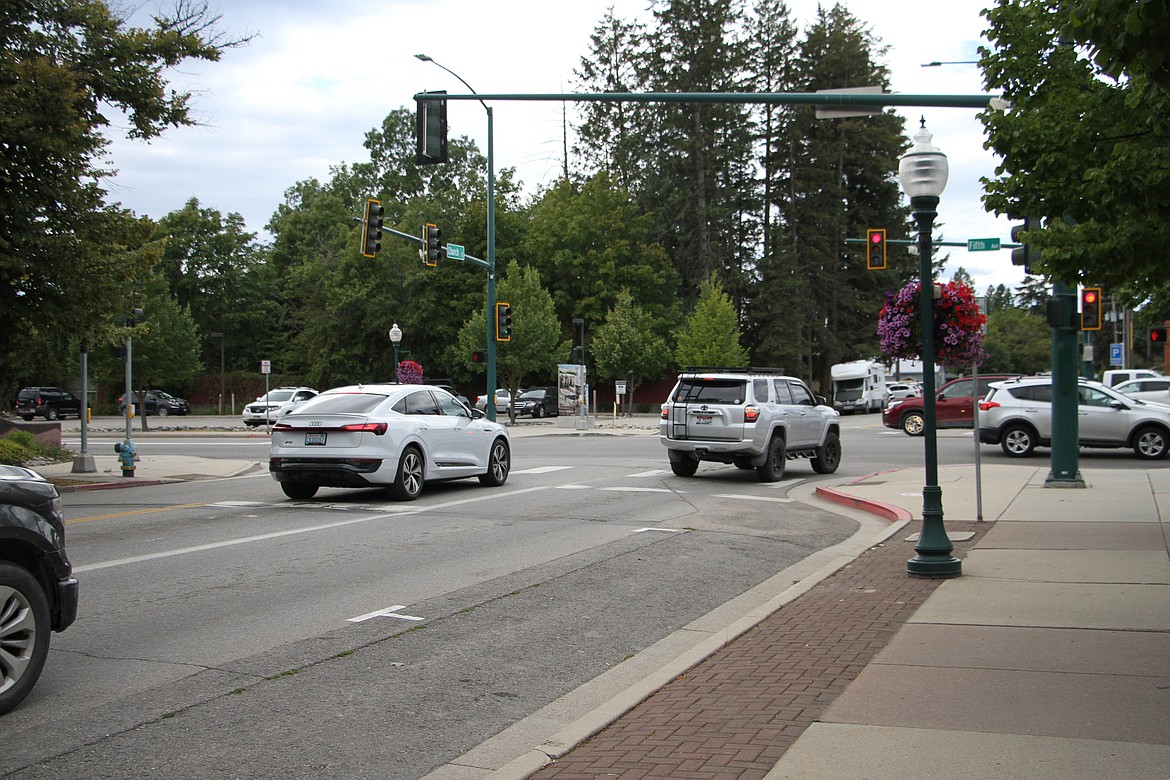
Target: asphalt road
x=227, y=631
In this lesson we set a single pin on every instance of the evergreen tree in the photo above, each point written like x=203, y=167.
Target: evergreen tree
x=611, y=135
x=843, y=180
x=710, y=336
x=700, y=184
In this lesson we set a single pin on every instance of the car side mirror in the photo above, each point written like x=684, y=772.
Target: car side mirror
x=478, y=414
x=822, y=401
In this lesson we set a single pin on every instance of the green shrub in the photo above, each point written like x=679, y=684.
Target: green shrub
x=20, y=448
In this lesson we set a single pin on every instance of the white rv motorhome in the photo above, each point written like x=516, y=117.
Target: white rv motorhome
x=858, y=386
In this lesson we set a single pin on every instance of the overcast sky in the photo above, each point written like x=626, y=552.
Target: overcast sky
x=319, y=75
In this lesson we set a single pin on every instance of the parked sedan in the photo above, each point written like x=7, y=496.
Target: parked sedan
x=898, y=391
x=954, y=406
x=156, y=402
x=1153, y=390
x=394, y=436
x=538, y=402
x=503, y=399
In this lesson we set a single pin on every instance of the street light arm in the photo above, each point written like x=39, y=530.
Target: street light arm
x=426, y=58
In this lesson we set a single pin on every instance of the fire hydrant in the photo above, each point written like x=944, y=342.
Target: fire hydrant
x=126, y=455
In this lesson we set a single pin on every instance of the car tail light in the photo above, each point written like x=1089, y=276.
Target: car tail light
x=987, y=405
x=751, y=413
x=375, y=428
x=665, y=412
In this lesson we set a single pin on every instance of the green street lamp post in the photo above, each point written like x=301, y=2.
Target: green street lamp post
x=922, y=172
x=490, y=409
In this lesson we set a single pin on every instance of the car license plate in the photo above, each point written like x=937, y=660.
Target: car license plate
x=703, y=420
x=315, y=437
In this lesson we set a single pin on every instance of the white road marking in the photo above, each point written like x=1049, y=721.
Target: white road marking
x=390, y=612
x=664, y=530
x=541, y=470
x=755, y=498
x=574, y=487
x=653, y=473
x=638, y=490
x=293, y=532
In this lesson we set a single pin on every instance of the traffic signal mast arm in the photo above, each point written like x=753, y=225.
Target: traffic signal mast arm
x=472, y=259
x=830, y=99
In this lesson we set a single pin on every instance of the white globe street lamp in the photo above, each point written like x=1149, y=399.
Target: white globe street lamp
x=922, y=172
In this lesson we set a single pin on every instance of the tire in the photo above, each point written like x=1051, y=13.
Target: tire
x=743, y=463
x=773, y=467
x=299, y=491
x=51, y=414
x=27, y=417
x=828, y=456
x=538, y=412
x=163, y=411
x=684, y=468
x=24, y=634
x=499, y=465
x=913, y=424
x=1017, y=441
x=408, y=482
x=1149, y=443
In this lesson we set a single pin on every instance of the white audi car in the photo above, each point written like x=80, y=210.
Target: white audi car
x=393, y=436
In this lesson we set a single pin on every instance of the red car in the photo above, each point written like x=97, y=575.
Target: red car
x=954, y=405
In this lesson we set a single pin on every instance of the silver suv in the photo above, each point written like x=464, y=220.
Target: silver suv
x=275, y=404
x=752, y=418
x=1017, y=415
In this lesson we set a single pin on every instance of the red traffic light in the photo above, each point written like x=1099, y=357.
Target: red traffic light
x=875, y=251
x=1091, y=316
x=479, y=356
x=1157, y=335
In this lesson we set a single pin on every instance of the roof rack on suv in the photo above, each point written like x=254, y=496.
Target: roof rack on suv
x=731, y=370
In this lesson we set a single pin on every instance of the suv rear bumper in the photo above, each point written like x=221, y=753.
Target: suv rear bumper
x=705, y=449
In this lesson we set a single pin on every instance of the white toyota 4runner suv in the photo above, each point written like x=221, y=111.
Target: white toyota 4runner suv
x=754, y=418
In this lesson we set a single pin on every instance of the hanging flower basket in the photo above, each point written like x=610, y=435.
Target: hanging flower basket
x=958, y=325
x=410, y=373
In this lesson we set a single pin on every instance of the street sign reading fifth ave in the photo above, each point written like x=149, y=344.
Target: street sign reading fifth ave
x=982, y=244
x=454, y=251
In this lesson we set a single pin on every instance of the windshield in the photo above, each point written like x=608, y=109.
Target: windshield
x=278, y=396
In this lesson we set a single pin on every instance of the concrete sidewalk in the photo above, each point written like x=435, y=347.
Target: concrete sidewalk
x=149, y=470
x=1048, y=658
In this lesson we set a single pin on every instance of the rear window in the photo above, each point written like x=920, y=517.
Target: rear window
x=342, y=403
x=1040, y=393
x=712, y=391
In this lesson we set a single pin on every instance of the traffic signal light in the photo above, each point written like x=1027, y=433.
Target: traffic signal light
x=479, y=356
x=431, y=129
x=372, y=228
x=875, y=249
x=1158, y=335
x=432, y=244
x=577, y=356
x=1026, y=254
x=503, y=322
x=1091, y=308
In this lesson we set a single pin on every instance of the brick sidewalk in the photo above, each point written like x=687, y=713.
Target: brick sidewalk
x=736, y=713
